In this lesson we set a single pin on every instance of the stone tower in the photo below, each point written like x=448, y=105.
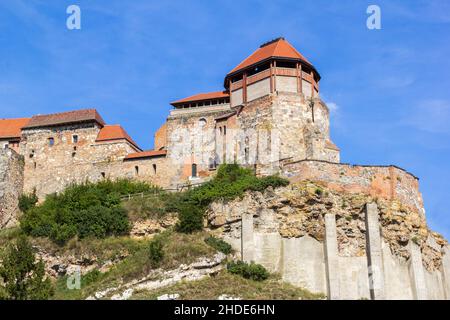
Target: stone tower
x=274, y=95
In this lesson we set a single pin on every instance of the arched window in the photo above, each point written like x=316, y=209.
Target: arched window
x=202, y=122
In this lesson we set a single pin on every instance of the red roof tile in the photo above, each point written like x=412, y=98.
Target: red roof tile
x=65, y=118
x=330, y=145
x=147, y=154
x=11, y=128
x=278, y=48
x=203, y=96
x=114, y=132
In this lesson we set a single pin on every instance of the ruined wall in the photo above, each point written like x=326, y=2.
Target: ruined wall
x=387, y=182
x=346, y=245
x=11, y=186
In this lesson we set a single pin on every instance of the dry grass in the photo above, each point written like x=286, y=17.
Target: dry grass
x=225, y=283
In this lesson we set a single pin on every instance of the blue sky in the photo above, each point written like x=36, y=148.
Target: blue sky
x=389, y=89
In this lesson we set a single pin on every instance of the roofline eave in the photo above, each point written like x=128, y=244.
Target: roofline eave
x=231, y=74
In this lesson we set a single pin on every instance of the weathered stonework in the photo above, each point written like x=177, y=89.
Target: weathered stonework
x=299, y=212
x=11, y=185
x=51, y=168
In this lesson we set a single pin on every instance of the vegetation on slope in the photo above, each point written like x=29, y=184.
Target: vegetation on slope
x=232, y=285
x=177, y=249
x=22, y=276
x=91, y=220
x=86, y=210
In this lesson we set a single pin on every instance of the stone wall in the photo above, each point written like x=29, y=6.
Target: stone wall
x=387, y=182
x=11, y=186
x=348, y=246
x=191, y=140
x=50, y=169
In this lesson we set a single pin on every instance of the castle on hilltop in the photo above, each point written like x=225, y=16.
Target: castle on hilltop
x=361, y=233
x=269, y=112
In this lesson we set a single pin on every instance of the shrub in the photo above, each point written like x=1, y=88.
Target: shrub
x=23, y=278
x=27, y=201
x=156, y=253
x=86, y=210
x=251, y=271
x=230, y=182
x=218, y=244
x=190, y=219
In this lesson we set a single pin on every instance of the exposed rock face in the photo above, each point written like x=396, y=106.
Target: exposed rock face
x=150, y=227
x=298, y=210
x=11, y=186
x=60, y=265
x=159, y=278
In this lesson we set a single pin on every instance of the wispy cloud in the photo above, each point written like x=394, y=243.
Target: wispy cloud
x=431, y=116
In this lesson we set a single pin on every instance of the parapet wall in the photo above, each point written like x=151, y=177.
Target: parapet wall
x=11, y=186
x=386, y=182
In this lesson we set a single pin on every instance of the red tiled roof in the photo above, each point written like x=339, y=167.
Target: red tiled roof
x=11, y=128
x=147, y=154
x=65, y=118
x=114, y=132
x=330, y=145
x=278, y=48
x=203, y=96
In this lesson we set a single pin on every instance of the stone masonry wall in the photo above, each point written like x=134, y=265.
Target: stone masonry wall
x=50, y=169
x=387, y=182
x=11, y=185
x=191, y=140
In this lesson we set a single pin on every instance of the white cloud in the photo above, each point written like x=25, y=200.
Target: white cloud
x=333, y=107
x=431, y=116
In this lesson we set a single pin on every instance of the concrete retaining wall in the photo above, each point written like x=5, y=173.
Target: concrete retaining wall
x=319, y=267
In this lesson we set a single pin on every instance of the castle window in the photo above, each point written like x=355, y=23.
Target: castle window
x=5, y=146
x=194, y=170
x=202, y=122
x=75, y=138
x=51, y=142
x=103, y=175
x=154, y=168
x=35, y=165
x=224, y=130
x=136, y=170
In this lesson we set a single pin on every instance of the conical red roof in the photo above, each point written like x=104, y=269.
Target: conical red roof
x=278, y=48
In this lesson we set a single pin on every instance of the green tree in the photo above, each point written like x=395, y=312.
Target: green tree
x=23, y=277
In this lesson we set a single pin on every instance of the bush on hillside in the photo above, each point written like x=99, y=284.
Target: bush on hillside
x=231, y=182
x=251, y=271
x=156, y=253
x=190, y=218
x=27, y=201
x=22, y=277
x=87, y=210
x=218, y=244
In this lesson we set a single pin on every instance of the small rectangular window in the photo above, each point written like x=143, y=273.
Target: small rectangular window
x=136, y=170
x=75, y=138
x=194, y=170
x=103, y=175
x=154, y=168
x=51, y=142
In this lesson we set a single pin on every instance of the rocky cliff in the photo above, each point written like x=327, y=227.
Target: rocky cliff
x=298, y=212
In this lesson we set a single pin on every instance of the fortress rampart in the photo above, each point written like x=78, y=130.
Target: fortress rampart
x=386, y=182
